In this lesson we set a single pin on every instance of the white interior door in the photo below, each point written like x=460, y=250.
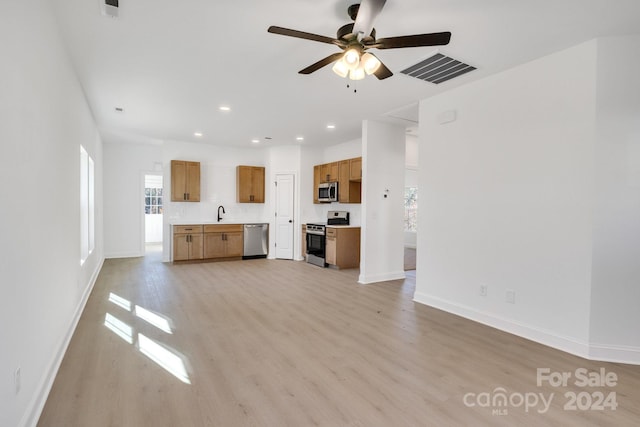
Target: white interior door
x=284, y=216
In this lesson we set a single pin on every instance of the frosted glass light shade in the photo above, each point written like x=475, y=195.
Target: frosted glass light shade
x=340, y=68
x=352, y=58
x=357, y=74
x=370, y=63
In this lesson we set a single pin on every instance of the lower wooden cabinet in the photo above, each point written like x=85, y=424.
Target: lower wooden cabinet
x=187, y=242
x=343, y=247
x=223, y=241
x=210, y=241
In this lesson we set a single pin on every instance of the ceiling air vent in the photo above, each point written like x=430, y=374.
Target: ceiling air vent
x=110, y=7
x=437, y=69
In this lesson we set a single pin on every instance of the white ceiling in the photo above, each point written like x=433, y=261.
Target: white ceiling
x=171, y=64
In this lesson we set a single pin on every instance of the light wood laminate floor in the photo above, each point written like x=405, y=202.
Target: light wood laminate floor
x=284, y=343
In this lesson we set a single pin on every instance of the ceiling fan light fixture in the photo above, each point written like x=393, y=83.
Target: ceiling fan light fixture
x=340, y=68
x=352, y=58
x=357, y=74
x=370, y=63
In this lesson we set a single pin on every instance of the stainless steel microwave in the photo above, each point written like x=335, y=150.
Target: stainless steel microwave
x=328, y=192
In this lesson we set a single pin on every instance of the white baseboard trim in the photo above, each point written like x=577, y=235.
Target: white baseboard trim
x=123, y=255
x=615, y=353
x=32, y=415
x=541, y=336
x=589, y=351
x=385, y=277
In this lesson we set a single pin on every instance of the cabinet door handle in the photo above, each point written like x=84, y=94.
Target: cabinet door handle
x=188, y=196
x=184, y=196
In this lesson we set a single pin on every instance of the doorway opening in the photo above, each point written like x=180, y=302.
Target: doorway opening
x=153, y=213
x=410, y=227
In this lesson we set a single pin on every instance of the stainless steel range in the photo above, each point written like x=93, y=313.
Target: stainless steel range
x=316, y=236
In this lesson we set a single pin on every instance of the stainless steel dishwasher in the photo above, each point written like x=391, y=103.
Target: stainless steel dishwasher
x=256, y=241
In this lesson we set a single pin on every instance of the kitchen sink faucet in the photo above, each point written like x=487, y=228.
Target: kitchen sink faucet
x=220, y=207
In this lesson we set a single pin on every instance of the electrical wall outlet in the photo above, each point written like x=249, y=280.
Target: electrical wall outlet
x=511, y=296
x=17, y=380
x=483, y=290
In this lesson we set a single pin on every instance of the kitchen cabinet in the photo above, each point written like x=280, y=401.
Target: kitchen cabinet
x=223, y=241
x=187, y=242
x=348, y=174
x=185, y=181
x=343, y=247
x=355, y=169
x=317, y=170
x=329, y=172
x=348, y=191
x=250, y=184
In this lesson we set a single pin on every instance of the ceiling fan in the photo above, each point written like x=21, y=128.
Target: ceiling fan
x=355, y=39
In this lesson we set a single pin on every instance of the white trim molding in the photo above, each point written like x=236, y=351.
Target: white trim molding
x=590, y=351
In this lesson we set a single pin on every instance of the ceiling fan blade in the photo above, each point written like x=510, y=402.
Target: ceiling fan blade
x=432, y=39
x=326, y=61
x=302, y=35
x=382, y=72
x=367, y=13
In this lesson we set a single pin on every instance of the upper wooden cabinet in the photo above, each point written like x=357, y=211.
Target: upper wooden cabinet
x=329, y=172
x=348, y=174
x=348, y=191
x=250, y=184
x=185, y=181
x=317, y=170
x=355, y=169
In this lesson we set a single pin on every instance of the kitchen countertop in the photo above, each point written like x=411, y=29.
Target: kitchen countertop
x=217, y=223
x=343, y=226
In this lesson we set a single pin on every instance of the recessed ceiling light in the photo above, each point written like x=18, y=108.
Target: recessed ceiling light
x=198, y=134
x=225, y=108
x=255, y=141
x=331, y=126
x=299, y=138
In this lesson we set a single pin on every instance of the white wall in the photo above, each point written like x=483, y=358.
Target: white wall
x=43, y=121
x=411, y=152
x=217, y=185
x=383, y=167
x=615, y=315
x=506, y=198
x=536, y=188
x=127, y=162
x=125, y=165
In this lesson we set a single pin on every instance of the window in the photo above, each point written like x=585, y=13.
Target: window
x=87, y=205
x=153, y=201
x=411, y=209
